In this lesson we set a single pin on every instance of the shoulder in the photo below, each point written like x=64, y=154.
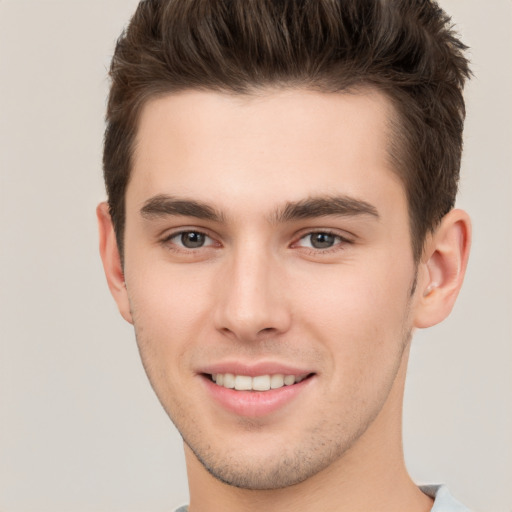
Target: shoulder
x=443, y=500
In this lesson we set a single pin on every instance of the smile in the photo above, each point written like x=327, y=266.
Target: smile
x=258, y=394
x=256, y=383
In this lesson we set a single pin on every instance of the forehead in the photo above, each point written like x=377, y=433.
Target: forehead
x=274, y=145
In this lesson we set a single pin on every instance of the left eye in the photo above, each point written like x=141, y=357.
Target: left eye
x=320, y=240
x=191, y=239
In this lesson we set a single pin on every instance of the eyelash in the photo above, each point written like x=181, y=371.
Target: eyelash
x=167, y=240
x=338, y=245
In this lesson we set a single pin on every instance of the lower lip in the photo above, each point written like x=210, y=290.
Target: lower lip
x=255, y=403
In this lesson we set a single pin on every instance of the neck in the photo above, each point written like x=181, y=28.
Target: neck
x=371, y=475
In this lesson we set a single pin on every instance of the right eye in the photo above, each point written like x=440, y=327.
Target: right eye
x=320, y=240
x=190, y=239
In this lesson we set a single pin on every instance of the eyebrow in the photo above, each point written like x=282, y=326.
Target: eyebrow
x=164, y=205
x=313, y=207
x=324, y=206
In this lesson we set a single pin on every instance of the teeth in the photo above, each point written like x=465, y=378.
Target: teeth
x=229, y=380
x=258, y=383
x=289, y=380
x=243, y=383
x=261, y=383
x=276, y=381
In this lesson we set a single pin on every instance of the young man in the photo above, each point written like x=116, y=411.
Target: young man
x=281, y=177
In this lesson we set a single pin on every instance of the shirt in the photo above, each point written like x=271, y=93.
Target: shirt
x=443, y=500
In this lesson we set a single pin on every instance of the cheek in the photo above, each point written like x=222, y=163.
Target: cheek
x=169, y=306
x=169, y=321
x=360, y=311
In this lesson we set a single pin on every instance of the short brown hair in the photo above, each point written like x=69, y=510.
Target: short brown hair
x=406, y=49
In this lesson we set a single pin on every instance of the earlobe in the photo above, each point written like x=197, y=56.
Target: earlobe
x=443, y=265
x=111, y=259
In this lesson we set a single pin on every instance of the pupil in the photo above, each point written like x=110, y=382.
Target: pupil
x=192, y=240
x=322, y=240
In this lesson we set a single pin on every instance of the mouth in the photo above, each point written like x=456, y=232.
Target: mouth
x=257, y=395
x=260, y=383
x=256, y=390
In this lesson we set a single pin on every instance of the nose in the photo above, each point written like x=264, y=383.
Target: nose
x=252, y=302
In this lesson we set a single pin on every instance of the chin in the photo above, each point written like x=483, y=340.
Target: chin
x=269, y=469
x=260, y=475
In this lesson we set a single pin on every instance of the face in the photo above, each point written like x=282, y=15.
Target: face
x=267, y=248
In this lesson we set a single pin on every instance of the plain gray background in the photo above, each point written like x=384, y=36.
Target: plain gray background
x=80, y=429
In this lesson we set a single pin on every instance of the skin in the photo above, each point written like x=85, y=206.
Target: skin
x=258, y=290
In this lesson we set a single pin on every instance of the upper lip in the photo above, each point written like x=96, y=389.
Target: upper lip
x=254, y=369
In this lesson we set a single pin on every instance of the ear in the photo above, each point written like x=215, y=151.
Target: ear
x=109, y=252
x=442, y=269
